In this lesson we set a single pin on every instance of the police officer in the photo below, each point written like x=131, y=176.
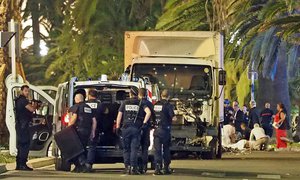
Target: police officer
x=228, y=112
x=24, y=111
x=164, y=113
x=135, y=116
x=145, y=136
x=97, y=109
x=85, y=124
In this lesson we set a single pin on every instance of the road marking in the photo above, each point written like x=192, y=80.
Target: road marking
x=267, y=176
x=213, y=174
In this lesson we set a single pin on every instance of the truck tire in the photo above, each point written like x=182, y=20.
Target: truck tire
x=212, y=154
x=62, y=165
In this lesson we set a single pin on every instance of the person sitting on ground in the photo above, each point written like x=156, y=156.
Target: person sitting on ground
x=261, y=139
x=245, y=133
x=228, y=136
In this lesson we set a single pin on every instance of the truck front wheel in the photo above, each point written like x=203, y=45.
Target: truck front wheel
x=213, y=153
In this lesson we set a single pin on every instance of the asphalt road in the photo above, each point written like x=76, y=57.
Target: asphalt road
x=255, y=165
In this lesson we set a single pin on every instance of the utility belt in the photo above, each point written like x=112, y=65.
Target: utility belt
x=125, y=126
x=162, y=127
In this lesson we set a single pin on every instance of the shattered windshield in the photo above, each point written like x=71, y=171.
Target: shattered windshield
x=182, y=81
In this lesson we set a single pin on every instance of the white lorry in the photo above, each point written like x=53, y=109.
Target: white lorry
x=190, y=66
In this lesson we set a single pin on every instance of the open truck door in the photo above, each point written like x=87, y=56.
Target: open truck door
x=41, y=124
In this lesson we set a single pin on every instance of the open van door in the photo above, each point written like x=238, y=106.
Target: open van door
x=41, y=124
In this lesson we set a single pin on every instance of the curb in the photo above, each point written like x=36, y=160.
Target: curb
x=41, y=162
x=34, y=163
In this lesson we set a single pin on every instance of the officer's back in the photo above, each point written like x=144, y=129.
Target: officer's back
x=82, y=118
x=135, y=115
x=164, y=113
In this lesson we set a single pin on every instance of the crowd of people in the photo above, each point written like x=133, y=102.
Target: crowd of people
x=251, y=128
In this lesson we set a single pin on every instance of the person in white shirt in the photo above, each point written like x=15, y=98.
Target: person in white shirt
x=261, y=139
x=228, y=136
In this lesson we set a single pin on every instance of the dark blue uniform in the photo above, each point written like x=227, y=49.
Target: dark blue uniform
x=253, y=117
x=133, y=116
x=83, y=127
x=164, y=113
x=97, y=109
x=145, y=137
x=228, y=114
x=266, y=121
x=23, y=118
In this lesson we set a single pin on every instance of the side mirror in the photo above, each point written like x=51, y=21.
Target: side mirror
x=222, y=77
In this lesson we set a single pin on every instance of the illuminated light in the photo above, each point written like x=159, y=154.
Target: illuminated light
x=175, y=68
x=154, y=69
x=165, y=75
x=163, y=85
x=185, y=67
x=206, y=70
x=155, y=72
x=172, y=85
x=164, y=65
x=159, y=82
x=65, y=119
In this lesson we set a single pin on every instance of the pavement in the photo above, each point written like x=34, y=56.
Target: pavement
x=34, y=163
x=243, y=166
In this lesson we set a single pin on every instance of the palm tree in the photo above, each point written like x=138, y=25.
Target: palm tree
x=266, y=49
x=91, y=39
x=8, y=9
x=247, y=33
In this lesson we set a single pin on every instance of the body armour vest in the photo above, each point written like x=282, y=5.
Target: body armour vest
x=84, y=117
x=162, y=115
x=133, y=113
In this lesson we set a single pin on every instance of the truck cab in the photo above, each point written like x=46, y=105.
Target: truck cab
x=111, y=94
x=41, y=124
x=190, y=66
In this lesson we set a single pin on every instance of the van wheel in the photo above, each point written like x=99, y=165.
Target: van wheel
x=62, y=165
x=49, y=150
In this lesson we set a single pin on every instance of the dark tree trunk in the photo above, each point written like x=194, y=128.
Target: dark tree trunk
x=277, y=90
x=35, y=13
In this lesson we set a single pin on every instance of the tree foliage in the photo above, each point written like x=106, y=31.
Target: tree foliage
x=91, y=39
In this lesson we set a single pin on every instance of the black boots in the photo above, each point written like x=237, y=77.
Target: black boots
x=127, y=170
x=134, y=171
x=167, y=170
x=23, y=168
x=143, y=169
x=158, y=170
